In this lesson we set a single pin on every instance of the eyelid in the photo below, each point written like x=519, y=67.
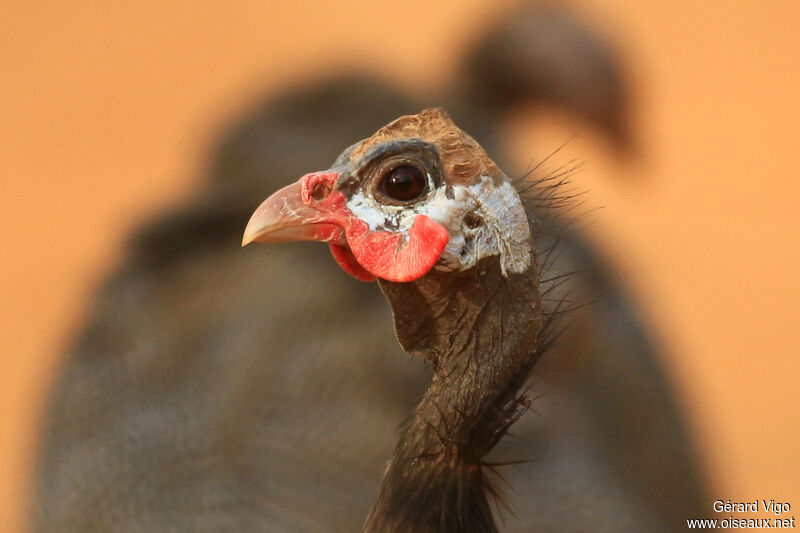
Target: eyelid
x=388, y=166
x=383, y=159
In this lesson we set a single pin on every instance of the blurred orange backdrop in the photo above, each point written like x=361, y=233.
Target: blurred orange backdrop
x=108, y=110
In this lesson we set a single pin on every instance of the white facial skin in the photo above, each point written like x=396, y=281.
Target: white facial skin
x=483, y=220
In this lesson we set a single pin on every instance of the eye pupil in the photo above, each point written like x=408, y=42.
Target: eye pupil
x=404, y=183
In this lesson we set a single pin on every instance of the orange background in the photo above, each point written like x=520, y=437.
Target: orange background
x=107, y=111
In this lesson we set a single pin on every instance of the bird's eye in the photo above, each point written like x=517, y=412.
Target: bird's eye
x=403, y=183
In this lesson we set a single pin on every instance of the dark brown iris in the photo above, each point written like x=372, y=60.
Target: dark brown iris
x=403, y=183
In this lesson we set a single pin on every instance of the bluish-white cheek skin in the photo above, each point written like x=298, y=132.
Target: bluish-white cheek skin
x=385, y=217
x=503, y=229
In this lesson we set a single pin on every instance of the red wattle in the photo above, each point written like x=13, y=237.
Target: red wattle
x=371, y=254
x=382, y=253
x=348, y=262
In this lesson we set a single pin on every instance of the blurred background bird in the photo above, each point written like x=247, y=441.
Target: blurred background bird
x=214, y=388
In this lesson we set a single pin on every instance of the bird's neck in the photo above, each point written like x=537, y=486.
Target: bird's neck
x=479, y=330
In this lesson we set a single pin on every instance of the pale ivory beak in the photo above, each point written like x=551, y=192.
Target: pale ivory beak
x=284, y=217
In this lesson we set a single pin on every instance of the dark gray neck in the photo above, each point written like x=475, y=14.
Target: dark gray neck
x=479, y=331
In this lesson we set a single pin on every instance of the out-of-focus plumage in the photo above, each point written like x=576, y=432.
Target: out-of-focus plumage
x=221, y=389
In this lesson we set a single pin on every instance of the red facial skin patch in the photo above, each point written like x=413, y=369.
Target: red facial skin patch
x=349, y=264
x=384, y=254
x=374, y=254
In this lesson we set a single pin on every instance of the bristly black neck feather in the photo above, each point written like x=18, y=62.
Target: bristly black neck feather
x=479, y=329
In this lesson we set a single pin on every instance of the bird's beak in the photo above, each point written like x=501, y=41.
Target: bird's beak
x=289, y=215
